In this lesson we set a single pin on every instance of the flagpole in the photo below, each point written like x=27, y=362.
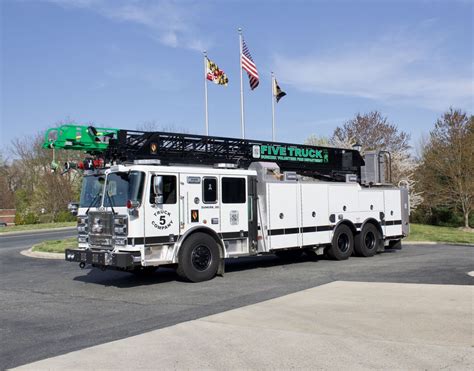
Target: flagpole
x=205, y=93
x=273, y=107
x=242, y=122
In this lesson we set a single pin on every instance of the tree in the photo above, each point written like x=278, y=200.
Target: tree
x=447, y=168
x=153, y=125
x=314, y=140
x=33, y=182
x=6, y=193
x=375, y=133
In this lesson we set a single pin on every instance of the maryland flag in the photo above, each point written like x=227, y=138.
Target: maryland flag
x=277, y=92
x=214, y=74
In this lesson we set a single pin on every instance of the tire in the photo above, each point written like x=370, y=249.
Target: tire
x=342, y=244
x=367, y=242
x=289, y=255
x=198, y=258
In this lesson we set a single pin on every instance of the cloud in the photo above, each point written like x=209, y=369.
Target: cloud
x=168, y=22
x=396, y=68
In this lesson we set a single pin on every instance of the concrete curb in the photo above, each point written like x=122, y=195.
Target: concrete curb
x=42, y=255
x=53, y=255
x=34, y=231
x=437, y=243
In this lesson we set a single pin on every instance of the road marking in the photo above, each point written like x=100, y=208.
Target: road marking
x=470, y=273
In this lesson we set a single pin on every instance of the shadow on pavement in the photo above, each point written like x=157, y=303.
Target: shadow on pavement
x=123, y=279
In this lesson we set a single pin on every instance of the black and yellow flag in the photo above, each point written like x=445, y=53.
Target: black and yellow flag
x=277, y=92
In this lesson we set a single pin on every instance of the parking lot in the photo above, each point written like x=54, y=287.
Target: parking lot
x=50, y=307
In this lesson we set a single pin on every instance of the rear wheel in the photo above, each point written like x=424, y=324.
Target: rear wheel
x=367, y=242
x=198, y=258
x=342, y=244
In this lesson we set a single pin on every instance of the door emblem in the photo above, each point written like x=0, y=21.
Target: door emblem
x=194, y=216
x=162, y=220
x=234, y=217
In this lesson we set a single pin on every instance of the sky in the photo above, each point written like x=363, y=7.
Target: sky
x=121, y=64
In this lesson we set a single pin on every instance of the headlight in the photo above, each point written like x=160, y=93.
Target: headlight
x=121, y=241
x=82, y=220
x=120, y=229
x=120, y=225
x=82, y=224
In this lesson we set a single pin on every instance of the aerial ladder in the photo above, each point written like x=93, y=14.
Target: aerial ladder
x=114, y=146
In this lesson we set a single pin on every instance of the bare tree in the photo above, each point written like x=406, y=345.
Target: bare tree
x=374, y=132
x=33, y=182
x=314, y=140
x=153, y=125
x=447, y=170
x=6, y=194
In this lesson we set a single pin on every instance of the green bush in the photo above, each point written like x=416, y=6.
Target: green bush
x=440, y=216
x=27, y=218
x=18, y=219
x=64, y=216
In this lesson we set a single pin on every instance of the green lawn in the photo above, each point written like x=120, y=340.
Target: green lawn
x=56, y=245
x=31, y=227
x=421, y=232
x=418, y=232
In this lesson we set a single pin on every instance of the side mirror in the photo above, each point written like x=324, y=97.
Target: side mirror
x=158, y=189
x=73, y=208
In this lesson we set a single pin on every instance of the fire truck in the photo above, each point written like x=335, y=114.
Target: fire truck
x=152, y=199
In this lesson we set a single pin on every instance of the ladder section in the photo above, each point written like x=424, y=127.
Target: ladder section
x=175, y=148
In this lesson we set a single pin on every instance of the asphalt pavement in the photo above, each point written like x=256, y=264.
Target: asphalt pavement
x=24, y=240
x=51, y=307
x=367, y=325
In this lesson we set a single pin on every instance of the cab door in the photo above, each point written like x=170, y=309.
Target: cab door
x=162, y=211
x=199, y=195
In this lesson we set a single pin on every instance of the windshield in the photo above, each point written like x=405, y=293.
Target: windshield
x=122, y=187
x=92, y=188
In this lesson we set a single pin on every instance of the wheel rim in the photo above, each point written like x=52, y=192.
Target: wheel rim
x=201, y=257
x=343, y=242
x=369, y=240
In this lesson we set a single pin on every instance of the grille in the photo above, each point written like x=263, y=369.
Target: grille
x=101, y=226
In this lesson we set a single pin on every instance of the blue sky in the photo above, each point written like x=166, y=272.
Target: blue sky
x=122, y=63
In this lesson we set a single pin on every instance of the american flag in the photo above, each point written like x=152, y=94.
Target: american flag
x=249, y=66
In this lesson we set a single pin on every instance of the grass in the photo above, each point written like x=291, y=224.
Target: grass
x=422, y=232
x=32, y=227
x=56, y=245
x=418, y=232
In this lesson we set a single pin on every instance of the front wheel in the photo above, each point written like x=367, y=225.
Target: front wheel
x=342, y=244
x=198, y=258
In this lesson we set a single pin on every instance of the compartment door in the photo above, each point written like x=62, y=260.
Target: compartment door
x=315, y=227
x=283, y=215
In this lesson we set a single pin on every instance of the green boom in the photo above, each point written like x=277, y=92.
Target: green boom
x=81, y=138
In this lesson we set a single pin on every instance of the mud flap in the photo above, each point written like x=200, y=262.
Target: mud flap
x=221, y=268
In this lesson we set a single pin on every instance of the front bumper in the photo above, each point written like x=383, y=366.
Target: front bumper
x=123, y=260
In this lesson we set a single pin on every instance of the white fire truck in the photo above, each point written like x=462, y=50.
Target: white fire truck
x=153, y=199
